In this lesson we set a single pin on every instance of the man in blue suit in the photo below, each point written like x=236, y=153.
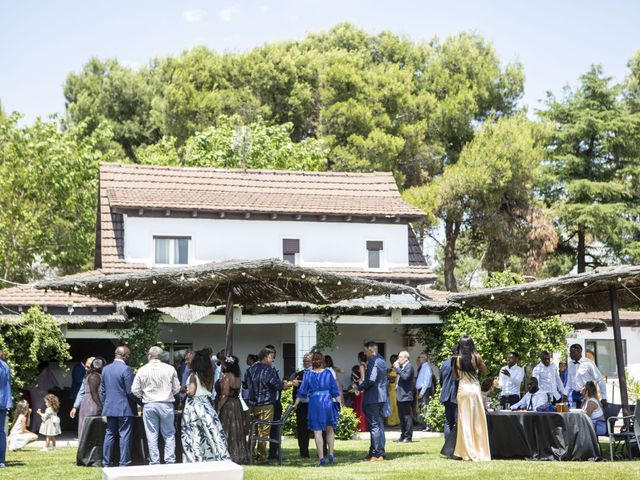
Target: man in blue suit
x=448, y=393
x=118, y=406
x=6, y=404
x=376, y=397
x=404, y=395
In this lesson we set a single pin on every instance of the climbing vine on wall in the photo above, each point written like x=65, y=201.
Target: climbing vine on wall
x=326, y=332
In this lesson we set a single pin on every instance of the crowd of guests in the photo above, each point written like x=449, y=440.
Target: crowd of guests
x=466, y=400
x=217, y=405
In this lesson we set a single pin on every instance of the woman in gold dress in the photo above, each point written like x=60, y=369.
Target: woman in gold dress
x=472, y=440
x=394, y=418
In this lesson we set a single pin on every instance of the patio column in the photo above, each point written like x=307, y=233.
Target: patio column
x=305, y=339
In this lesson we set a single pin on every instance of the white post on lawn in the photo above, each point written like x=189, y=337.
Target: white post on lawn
x=306, y=338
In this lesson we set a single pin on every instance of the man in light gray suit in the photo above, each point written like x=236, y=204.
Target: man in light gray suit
x=404, y=395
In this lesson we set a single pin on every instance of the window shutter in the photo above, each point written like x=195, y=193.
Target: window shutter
x=290, y=246
x=371, y=245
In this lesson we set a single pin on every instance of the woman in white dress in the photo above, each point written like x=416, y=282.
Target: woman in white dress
x=593, y=408
x=20, y=435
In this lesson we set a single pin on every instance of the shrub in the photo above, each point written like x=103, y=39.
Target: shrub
x=290, y=424
x=347, y=424
x=434, y=412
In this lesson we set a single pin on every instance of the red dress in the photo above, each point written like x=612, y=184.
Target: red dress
x=357, y=404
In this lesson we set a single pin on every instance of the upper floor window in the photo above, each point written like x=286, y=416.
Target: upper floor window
x=171, y=250
x=374, y=252
x=291, y=250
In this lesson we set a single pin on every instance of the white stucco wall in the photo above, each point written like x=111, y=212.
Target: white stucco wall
x=321, y=243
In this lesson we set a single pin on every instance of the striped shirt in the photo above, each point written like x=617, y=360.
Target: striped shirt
x=156, y=382
x=263, y=383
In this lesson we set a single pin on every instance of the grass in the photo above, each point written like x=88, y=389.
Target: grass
x=418, y=460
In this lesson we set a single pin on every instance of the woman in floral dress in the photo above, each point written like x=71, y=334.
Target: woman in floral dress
x=203, y=439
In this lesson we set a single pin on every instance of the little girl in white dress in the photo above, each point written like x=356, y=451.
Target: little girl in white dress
x=20, y=435
x=50, y=426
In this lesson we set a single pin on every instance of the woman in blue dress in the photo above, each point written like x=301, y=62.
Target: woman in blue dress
x=319, y=386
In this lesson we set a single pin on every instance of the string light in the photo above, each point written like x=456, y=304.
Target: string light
x=320, y=280
x=493, y=297
x=619, y=279
x=154, y=281
x=75, y=288
x=522, y=294
x=279, y=274
x=585, y=284
x=100, y=285
x=553, y=289
x=339, y=282
x=244, y=274
x=303, y=276
x=182, y=277
x=126, y=283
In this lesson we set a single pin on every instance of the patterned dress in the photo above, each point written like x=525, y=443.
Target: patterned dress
x=203, y=439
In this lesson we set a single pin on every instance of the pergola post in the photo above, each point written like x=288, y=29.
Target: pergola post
x=617, y=341
x=228, y=321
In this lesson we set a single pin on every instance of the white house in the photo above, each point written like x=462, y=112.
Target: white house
x=352, y=223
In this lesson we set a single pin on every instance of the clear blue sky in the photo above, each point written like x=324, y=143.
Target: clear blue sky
x=556, y=41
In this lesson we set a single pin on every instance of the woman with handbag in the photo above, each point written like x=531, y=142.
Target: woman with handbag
x=321, y=389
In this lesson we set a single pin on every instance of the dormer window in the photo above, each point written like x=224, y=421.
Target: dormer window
x=374, y=252
x=291, y=250
x=171, y=250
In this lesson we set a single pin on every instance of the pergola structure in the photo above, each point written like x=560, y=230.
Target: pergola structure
x=603, y=288
x=230, y=283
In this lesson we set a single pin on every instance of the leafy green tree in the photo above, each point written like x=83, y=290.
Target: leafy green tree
x=48, y=195
x=35, y=338
x=109, y=94
x=488, y=196
x=232, y=144
x=592, y=166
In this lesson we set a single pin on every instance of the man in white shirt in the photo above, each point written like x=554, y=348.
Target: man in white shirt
x=580, y=371
x=156, y=383
x=548, y=377
x=509, y=381
x=533, y=399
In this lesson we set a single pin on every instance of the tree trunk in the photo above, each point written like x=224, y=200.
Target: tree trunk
x=451, y=229
x=582, y=250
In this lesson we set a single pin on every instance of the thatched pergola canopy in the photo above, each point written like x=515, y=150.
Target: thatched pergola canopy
x=584, y=292
x=250, y=283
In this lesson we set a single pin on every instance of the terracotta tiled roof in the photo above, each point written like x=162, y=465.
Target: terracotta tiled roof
x=26, y=296
x=415, y=275
x=250, y=191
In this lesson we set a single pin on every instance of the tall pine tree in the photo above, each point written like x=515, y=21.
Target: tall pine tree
x=591, y=166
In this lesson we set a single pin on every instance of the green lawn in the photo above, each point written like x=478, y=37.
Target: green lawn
x=405, y=461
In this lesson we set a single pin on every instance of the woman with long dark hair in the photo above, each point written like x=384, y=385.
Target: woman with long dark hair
x=232, y=415
x=203, y=439
x=472, y=440
x=91, y=404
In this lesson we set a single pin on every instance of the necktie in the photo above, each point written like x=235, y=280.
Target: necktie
x=530, y=407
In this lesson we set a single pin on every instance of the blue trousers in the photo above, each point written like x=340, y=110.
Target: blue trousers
x=450, y=417
x=375, y=421
x=3, y=436
x=158, y=420
x=123, y=427
x=576, y=398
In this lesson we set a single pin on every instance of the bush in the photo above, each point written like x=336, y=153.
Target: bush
x=290, y=424
x=434, y=412
x=347, y=424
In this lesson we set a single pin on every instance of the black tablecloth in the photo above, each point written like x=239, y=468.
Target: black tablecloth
x=542, y=436
x=538, y=436
x=92, y=439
